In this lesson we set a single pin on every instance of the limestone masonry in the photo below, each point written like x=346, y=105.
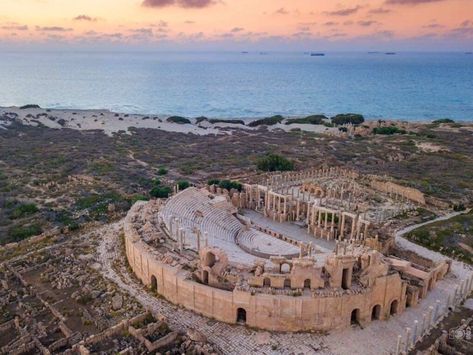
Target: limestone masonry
x=301, y=251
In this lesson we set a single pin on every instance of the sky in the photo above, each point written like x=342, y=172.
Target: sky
x=279, y=25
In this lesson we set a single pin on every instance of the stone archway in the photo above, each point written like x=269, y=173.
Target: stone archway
x=267, y=282
x=205, y=277
x=376, y=312
x=241, y=316
x=355, y=317
x=393, y=309
x=154, y=283
x=307, y=283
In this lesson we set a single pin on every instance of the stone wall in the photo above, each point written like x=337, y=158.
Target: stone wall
x=261, y=310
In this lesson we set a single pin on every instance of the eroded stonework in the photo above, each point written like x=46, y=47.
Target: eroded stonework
x=294, y=252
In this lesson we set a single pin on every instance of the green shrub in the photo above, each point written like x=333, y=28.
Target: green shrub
x=313, y=119
x=160, y=192
x=443, y=120
x=178, y=119
x=274, y=162
x=227, y=184
x=227, y=121
x=24, y=210
x=18, y=233
x=183, y=184
x=213, y=182
x=162, y=171
x=388, y=130
x=352, y=118
x=268, y=121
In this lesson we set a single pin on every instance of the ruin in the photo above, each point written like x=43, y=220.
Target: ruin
x=288, y=252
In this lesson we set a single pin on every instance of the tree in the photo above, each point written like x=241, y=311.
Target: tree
x=160, y=192
x=274, y=162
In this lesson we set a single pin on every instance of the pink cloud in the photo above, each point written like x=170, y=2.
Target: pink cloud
x=196, y=4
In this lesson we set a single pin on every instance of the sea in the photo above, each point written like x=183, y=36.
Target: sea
x=402, y=85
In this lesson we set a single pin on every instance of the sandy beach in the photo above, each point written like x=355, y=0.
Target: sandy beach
x=113, y=122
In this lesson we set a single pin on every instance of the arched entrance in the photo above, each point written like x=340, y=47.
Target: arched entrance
x=241, y=316
x=266, y=282
x=307, y=283
x=355, y=316
x=287, y=283
x=376, y=312
x=205, y=277
x=393, y=308
x=154, y=284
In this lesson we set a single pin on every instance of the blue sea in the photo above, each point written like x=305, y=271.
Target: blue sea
x=411, y=86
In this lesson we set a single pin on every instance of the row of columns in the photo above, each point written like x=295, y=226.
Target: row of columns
x=432, y=317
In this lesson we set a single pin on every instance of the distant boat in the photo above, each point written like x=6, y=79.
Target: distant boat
x=374, y=52
x=390, y=53
x=244, y=52
x=317, y=54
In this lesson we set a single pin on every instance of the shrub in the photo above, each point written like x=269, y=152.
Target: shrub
x=388, y=130
x=227, y=184
x=352, y=118
x=162, y=171
x=201, y=119
x=24, y=210
x=227, y=121
x=178, y=119
x=313, y=119
x=443, y=120
x=213, y=182
x=274, y=162
x=160, y=192
x=268, y=121
x=183, y=184
x=29, y=106
x=19, y=233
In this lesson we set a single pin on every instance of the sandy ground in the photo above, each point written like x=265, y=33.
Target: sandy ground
x=111, y=122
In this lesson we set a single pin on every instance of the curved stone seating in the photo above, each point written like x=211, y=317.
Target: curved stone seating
x=263, y=245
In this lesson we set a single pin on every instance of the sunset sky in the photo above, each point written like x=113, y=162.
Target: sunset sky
x=238, y=24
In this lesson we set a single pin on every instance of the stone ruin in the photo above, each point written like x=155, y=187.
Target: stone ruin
x=290, y=252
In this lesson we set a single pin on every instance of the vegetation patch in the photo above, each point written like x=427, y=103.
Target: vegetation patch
x=274, y=162
x=226, y=184
x=227, y=121
x=347, y=118
x=313, y=119
x=453, y=237
x=268, y=121
x=23, y=210
x=388, y=130
x=18, y=233
x=178, y=120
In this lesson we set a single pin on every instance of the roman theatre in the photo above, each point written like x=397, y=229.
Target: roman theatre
x=298, y=251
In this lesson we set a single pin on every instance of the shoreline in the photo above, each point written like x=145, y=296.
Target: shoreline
x=246, y=119
x=111, y=122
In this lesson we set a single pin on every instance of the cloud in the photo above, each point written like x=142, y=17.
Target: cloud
x=379, y=11
x=237, y=29
x=53, y=29
x=196, y=4
x=367, y=23
x=410, y=2
x=15, y=27
x=189, y=22
x=433, y=26
x=282, y=11
x=464, y=30
x=344, y=12
x=330, y=23
x=85, y=18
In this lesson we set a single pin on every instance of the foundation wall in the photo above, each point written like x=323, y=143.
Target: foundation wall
x=264, y=311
